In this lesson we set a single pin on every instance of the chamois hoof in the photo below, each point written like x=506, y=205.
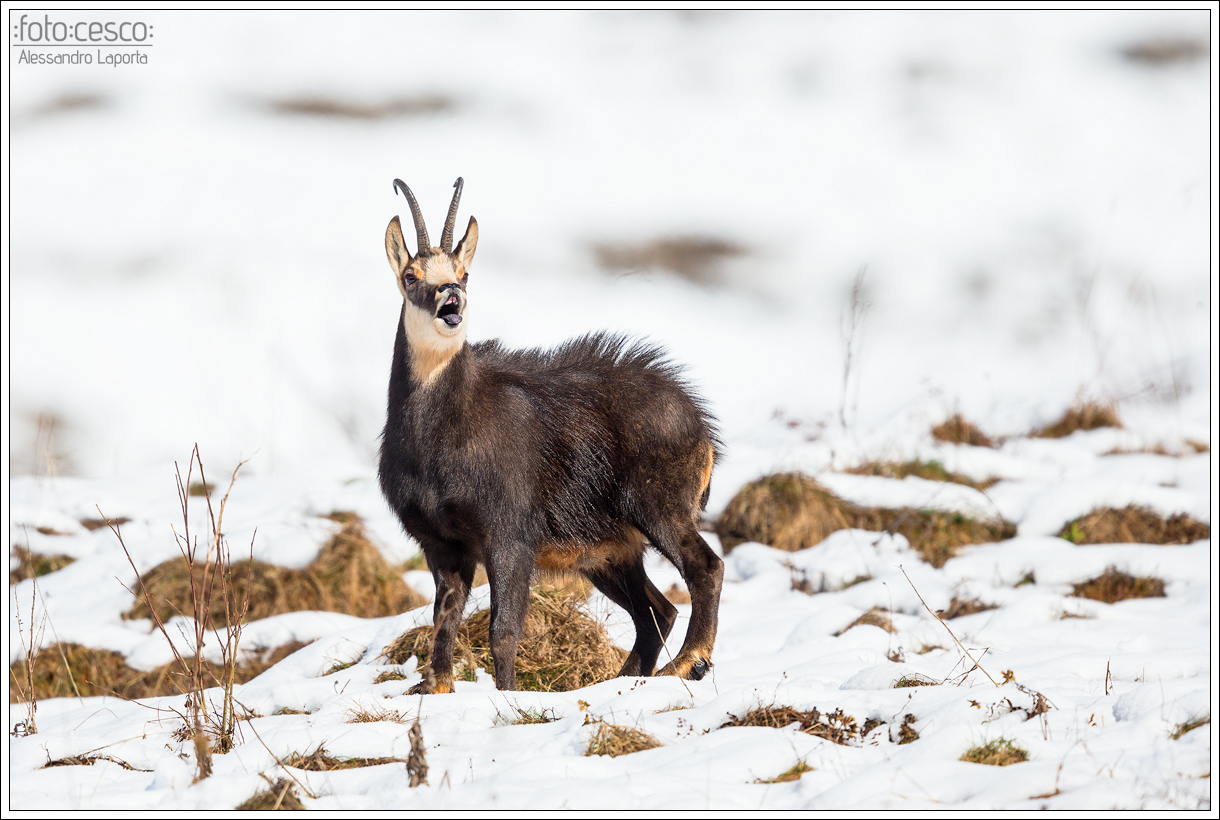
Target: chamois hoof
x=436, y=688
x=687, y=668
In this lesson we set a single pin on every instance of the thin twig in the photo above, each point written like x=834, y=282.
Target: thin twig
x=947, y=629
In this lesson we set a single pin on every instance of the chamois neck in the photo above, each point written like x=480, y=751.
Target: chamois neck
x=416, y=367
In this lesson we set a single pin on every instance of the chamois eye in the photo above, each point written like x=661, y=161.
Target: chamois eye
x=410, y=277
x=465, y=276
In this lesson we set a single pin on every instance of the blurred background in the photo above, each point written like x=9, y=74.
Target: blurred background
x=847, y=226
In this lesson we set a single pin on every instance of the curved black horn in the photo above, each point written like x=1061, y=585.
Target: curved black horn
x=421, y=230
x=447, y=234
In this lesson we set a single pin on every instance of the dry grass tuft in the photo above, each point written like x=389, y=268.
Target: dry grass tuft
x=321, y=760
x=1163, y=51
x=874, y=617
x=676, y=595
x=907, y=681
x=375, y=714
x=956, y=430
x=614, y=741
x=386, y=677
x=102, y=672
x=349, y=575
x=791, y=511
x=89, y=760
x=349, y=110
x=931, y=470
x=835, y=726
x=695, y=258
x=280, y=797
x=92, y=524
x=906, y=732
x=1189, y=726
x=792, y=774
x=959, y=607
x=562, y=647
x=532, y=717
x=1113, y=586
x=1134, y=524
x=1087, y=416
x=999, y=752
x=35, y=564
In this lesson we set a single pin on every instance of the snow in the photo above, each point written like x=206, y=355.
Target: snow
x=1031, y=212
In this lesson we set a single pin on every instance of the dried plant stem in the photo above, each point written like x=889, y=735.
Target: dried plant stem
x=950, y=631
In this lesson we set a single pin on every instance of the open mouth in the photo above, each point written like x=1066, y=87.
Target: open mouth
x=449, y=311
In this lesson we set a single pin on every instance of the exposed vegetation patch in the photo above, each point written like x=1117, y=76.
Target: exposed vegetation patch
x=321, y=760
x=562, y=647
x=375, y=714
x=1164, y=51
x=349, y=575
x=613, y=741
x=279, y=797
x=959, y=607
x=1087, y=416
x=676, y=595
x=695, y=258
x=1189, y=726
x=792, y=774
x=907, y=681
x=531, y=717
x=1134, y=524
x=906, y=732
x=1113, y=586
x=837, y=726
x=392, y=675
x=931, y=470
x=874, y=617
x=102, y=672
x=999, y=752
x=956, y=430
x=93, y=524
x=791, y=511
x=89, y=760
x=331, y=108
x=35, y=564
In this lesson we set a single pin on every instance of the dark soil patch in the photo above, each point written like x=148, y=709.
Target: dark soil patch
x=1113, y=586
x=1164, y=51
x=562, y=647
x=1134, y=525
x=331, y=108
x=695, y=258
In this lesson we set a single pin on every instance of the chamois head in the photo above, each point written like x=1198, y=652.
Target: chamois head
x=433, y=285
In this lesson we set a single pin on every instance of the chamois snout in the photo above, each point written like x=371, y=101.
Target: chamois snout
x=451, y=300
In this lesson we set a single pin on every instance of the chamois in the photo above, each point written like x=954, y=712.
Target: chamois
x=572, y=459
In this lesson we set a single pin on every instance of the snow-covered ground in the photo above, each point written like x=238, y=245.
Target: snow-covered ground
x=1030, y=210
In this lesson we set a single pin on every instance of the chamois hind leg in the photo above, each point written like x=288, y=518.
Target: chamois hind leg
x=628, y=586
x=509, y=574
x=703, y=572
x=453, y=582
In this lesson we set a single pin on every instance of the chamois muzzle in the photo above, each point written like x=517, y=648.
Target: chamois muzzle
x=452, y=302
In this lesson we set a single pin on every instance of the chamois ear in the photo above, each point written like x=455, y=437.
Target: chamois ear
x=396, y=247
x=464, y=252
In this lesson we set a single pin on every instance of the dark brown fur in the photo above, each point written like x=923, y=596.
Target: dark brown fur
x=571, y=459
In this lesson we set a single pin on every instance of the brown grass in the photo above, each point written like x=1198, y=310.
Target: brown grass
x=1086, y=416
x=89, y=760
x=102, y=672
x=959, y=607
x=931, y=470
x=835, y=726
x=375, y=714
x=280, y=797
x=92, y=524
x=792, y=774
x=349, y=575
x=874, y=617
x=956, y=430
x=1113, y=586
x=348, y=110
x=1134, y=525
x=1189, y=726
x=613, y=741
x=676, y=595
x=562, y=647
x=35, y=564
x=692, y=257
x=321, y=760
x=907, y=681
x=791, y=511
x=1162, y=51
x=999, y=752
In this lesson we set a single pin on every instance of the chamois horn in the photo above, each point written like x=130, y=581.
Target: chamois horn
x=447, y=234
x=421, y=230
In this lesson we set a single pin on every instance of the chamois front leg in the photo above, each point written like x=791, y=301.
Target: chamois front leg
x=452, y=588
x=703, y=572
x=508, y=573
